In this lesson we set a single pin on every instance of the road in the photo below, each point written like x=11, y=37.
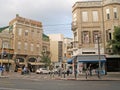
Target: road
x=23, y=84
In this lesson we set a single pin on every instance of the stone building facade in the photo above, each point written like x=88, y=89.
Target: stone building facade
x=93, y=19
x=6, y=50
x=27, y=41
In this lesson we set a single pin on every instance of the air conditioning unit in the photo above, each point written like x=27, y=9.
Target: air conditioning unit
x=109, y=51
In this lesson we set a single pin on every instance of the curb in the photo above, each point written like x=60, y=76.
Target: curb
x=3, y=76
x=87, y=79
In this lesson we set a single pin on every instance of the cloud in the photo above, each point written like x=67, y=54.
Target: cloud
x=47, y=11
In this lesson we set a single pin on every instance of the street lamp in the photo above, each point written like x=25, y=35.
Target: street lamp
x=98, y=38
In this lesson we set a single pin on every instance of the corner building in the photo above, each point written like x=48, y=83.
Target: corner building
x=92, y=19
x=27, y=40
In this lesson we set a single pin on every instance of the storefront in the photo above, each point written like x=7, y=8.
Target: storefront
x=83, y=62
x=113, y=63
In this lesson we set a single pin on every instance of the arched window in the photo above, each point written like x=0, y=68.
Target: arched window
x=32, y=60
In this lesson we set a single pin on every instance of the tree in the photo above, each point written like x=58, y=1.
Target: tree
x=45, y=58
x=115, y=43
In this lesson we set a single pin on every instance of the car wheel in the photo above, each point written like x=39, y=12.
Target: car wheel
x=41, y=72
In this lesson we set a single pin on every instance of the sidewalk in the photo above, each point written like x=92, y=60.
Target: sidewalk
x=110, y=76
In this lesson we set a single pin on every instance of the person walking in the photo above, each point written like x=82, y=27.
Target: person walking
x=86, y=73
x=68, y=72
x=90, y=69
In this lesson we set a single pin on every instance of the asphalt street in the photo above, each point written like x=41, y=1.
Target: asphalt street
x=44, y=84
x=16, y=81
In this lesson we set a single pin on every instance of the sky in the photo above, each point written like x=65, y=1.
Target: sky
x=55, y=15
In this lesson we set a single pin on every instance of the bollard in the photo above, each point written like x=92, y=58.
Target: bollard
x=0, y=73
x=64, y=74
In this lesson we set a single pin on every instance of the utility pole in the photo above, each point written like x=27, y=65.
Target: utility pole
x=75, y=67
x=99, y=56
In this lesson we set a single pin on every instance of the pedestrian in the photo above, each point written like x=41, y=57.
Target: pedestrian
x=75, y=73
x=7, y=68
x=4, y=68
x=86, y=73
x=90, y=69
x=68, y=72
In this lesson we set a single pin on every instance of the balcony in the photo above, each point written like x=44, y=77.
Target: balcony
x=11, y=51
x=74, y=26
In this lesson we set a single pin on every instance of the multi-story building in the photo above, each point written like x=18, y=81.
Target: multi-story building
x=46, y=43
x=68, y=52
x=22, y=43
x=27, y=40
x=56, y=48
x=6, y=50
x=68, y=47
x=93, y=23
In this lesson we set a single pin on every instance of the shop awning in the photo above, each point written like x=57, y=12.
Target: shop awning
x=70, y=60
x=91, y=58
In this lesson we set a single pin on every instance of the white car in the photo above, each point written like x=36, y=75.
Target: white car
x=42, y=71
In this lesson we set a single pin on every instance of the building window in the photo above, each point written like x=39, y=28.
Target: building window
x=26, y=32
x=19, y=31
x=75, y=36
x=95, y=16
x=26, y=46
x=19, y=45
x=108, y=13
x=85, y=38
x=74, y=17
x=84, y=16
x=108, y=35
x=37, y=48
x=115, y=12
x=38, y=31
x=6, y=45
x=32, y=47
x=95, y=36
x=32, y=33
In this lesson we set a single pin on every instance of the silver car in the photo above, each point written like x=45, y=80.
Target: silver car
x=42, y=71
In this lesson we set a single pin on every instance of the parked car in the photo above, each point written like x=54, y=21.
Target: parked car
x=55, y=71
x=42, y=71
